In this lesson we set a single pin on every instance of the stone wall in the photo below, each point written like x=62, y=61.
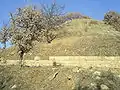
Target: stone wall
x=82, y=61
x=87, y=61
x=38, y=63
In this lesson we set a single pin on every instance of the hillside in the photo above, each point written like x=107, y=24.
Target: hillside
x=37, y=78
x=43, y=78
x=84, y=37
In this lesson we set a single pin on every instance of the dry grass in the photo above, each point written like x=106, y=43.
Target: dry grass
x=42, y=78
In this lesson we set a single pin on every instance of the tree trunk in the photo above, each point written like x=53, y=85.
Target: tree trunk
x=21, y=58
x=48, y=39
x=47, y=36
x=4, y=45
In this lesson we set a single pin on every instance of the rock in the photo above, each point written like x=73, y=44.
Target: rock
x=36, y=58
x=3, y=61
x=91, y=70
x=76, y=69
x=30, y=53
x=12, y=53
x=25, y=54
x=97, y=78
x=118, y=76
x=69, y=77
x=1, y=58
x=53, y=76
x=104, y=87
x=54, y=69
x=97, y=73
x=93, y=86
x=65, y=50
x=13, y=87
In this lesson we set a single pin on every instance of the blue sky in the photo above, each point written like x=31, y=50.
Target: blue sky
x=93, y=8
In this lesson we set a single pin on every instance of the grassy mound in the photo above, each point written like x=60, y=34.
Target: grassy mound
x=78, y=37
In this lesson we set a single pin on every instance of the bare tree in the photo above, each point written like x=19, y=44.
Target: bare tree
x=26, y=27
x=4, y=35
x=52, y=19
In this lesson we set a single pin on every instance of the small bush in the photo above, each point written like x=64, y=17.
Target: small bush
x=5, y=78
x=54, y=64
x=97, y=80
x=71, y=16
x=112, y=18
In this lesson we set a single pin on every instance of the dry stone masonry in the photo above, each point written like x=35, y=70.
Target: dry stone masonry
x=81, y=61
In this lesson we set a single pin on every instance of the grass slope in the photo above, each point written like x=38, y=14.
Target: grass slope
x=79, y=37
